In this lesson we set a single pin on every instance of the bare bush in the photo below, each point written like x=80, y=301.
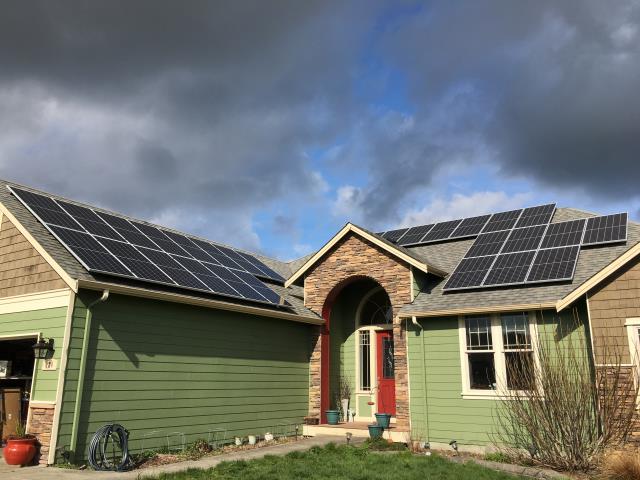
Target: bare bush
x=572, y=411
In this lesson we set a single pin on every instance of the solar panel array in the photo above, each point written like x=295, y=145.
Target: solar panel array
x=114, y=245
x=523, y=251
x=470, y=227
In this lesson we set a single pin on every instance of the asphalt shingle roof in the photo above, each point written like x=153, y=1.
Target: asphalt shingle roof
x=591, y=261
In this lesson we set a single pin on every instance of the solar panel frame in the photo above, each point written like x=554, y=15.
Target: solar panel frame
x=502, y=221
x=524, y=239
x=441, y=231
x=487, y=244
x=394, y=235
x=470, y=227
x=616, y=232
x=566, y=257
x=90, y=250
x=470, y=273
x=564, y=234
x=509, y=269
x=415, y=234
x=538, y=215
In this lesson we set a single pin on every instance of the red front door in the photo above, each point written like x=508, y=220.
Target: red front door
x=385, y=372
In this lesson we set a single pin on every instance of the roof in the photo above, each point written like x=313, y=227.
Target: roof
x=432, y=300
x=74, y=269
x=414, y=259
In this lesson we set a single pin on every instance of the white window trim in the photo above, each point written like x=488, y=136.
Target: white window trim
x=633, y=334
x=501, y=391
x=373, y=347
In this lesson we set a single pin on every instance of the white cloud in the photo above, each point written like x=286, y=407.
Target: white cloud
x=460, y=206
x=348, y=203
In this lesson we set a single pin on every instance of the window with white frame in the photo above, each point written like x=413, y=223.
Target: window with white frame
x=633, y=331
x=497, y=352
x=365, y=360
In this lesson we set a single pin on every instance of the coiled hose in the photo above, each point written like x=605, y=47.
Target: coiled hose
x=109, y=449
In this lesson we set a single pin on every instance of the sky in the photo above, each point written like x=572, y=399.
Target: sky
x=269, y=125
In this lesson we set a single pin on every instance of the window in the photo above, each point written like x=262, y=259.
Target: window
x=633, y=330
x=387, y=358
x=497, y=353
x=376, y=309
x=365, y=360
x=482, y=371
x=518, y=354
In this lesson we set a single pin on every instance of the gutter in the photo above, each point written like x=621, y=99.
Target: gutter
x=476, y=310
x=414, y=320
x=198, y=301
x=83, y=367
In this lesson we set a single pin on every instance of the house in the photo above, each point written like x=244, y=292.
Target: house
x=178, y=338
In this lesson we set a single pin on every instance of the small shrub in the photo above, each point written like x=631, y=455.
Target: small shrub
x=384, y=445
x=622, y=466
x=499, y=457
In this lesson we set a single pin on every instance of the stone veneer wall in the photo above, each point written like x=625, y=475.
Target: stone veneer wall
x=40, y=424
x=350, y=258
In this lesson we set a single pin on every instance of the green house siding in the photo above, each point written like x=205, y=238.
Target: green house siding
x=438, y=412
x=159, y=368
x=50, y=324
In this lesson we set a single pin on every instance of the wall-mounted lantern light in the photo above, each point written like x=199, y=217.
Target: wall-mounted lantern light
x=42, y=349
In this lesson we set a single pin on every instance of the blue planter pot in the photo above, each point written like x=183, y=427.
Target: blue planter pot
x=383, y=419
x=375, y=431
x=333, y=416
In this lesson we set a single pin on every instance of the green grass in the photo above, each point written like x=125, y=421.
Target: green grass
x=342, y=462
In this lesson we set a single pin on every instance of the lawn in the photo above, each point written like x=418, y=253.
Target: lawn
x=342, y=462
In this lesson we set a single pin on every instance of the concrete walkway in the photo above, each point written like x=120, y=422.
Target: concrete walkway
x=52, y=473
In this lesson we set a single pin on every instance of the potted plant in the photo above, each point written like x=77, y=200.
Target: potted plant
x=383, y=419
x=20, y=448
x=333, y=416
x=345, y=396
x=375, y=431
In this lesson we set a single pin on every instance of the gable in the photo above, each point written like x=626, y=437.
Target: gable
x=353, y=257
x=22, y=269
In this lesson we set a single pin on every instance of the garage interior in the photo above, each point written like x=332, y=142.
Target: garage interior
x=16, y=377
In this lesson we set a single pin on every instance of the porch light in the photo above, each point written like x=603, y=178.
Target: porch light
x=41, y=349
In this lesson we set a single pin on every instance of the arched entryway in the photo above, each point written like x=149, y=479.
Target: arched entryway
x=358, y=349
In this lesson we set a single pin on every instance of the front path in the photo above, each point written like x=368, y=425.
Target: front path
x=52, y=473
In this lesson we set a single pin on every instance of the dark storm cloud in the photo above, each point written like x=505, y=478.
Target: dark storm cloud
x=560, y=80
x=157, y=108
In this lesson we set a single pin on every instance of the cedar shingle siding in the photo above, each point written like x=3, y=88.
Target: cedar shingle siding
x=22, y=269
x=610, y=305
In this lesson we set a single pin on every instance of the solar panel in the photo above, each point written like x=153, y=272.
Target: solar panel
x=415, y=234
x=540, y=215
x=114, y=245
x=563, y=234
x=509, y=269
x=488, y=244
x=160, y=239
x=441, y=231
x=126, y=230
x=88, y=251
x=470, y=226
x=394, y=235
x=554, y=264
x=606, y=229
x=91, y=222
x=469, y=273
x=47, y=210
x=523, y=239
x=502, y=221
